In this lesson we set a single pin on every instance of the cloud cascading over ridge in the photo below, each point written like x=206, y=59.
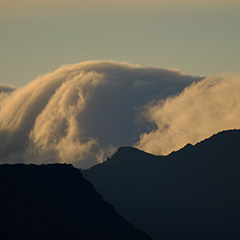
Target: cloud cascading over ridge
x=202, y=109
x=81, y=112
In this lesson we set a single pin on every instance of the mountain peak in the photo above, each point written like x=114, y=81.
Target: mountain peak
x=128, y=155
x=130, y=150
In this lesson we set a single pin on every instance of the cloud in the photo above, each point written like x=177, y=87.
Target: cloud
x=202, y=109
x=81, y=112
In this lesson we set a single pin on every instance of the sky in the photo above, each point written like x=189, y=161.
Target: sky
x=195, y=37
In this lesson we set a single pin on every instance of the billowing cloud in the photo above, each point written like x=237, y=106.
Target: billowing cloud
x=202, y=109
x=81, y=112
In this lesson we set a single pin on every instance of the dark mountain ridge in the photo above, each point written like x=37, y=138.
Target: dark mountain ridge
x=192, y=193
x=56, y=202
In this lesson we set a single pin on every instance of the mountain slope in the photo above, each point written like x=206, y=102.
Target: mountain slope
x=56, y=202
x=190, y=194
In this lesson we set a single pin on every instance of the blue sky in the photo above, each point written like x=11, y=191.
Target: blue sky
x=196, y=37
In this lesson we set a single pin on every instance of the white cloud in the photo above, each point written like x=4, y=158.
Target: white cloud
x=202, y=109
x=81, y=112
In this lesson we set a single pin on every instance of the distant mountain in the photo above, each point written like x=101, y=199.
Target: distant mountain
x=193, y=193
x=56, y=202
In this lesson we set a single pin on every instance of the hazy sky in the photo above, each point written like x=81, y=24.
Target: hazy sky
x=197, y=37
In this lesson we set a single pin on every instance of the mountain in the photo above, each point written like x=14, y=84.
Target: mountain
x=192, y=193
x=56, y=202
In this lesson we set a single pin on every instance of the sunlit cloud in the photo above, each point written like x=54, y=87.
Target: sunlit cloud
x=81, y=112
x=201, y=110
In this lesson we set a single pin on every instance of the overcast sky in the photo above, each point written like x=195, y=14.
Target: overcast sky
x=196, y=37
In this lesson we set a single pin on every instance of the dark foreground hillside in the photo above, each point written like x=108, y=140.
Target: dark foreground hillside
x=56, y=202
x=193, y=193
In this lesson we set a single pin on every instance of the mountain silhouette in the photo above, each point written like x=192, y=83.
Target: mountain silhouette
x=56, y=202
x=192, y=193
